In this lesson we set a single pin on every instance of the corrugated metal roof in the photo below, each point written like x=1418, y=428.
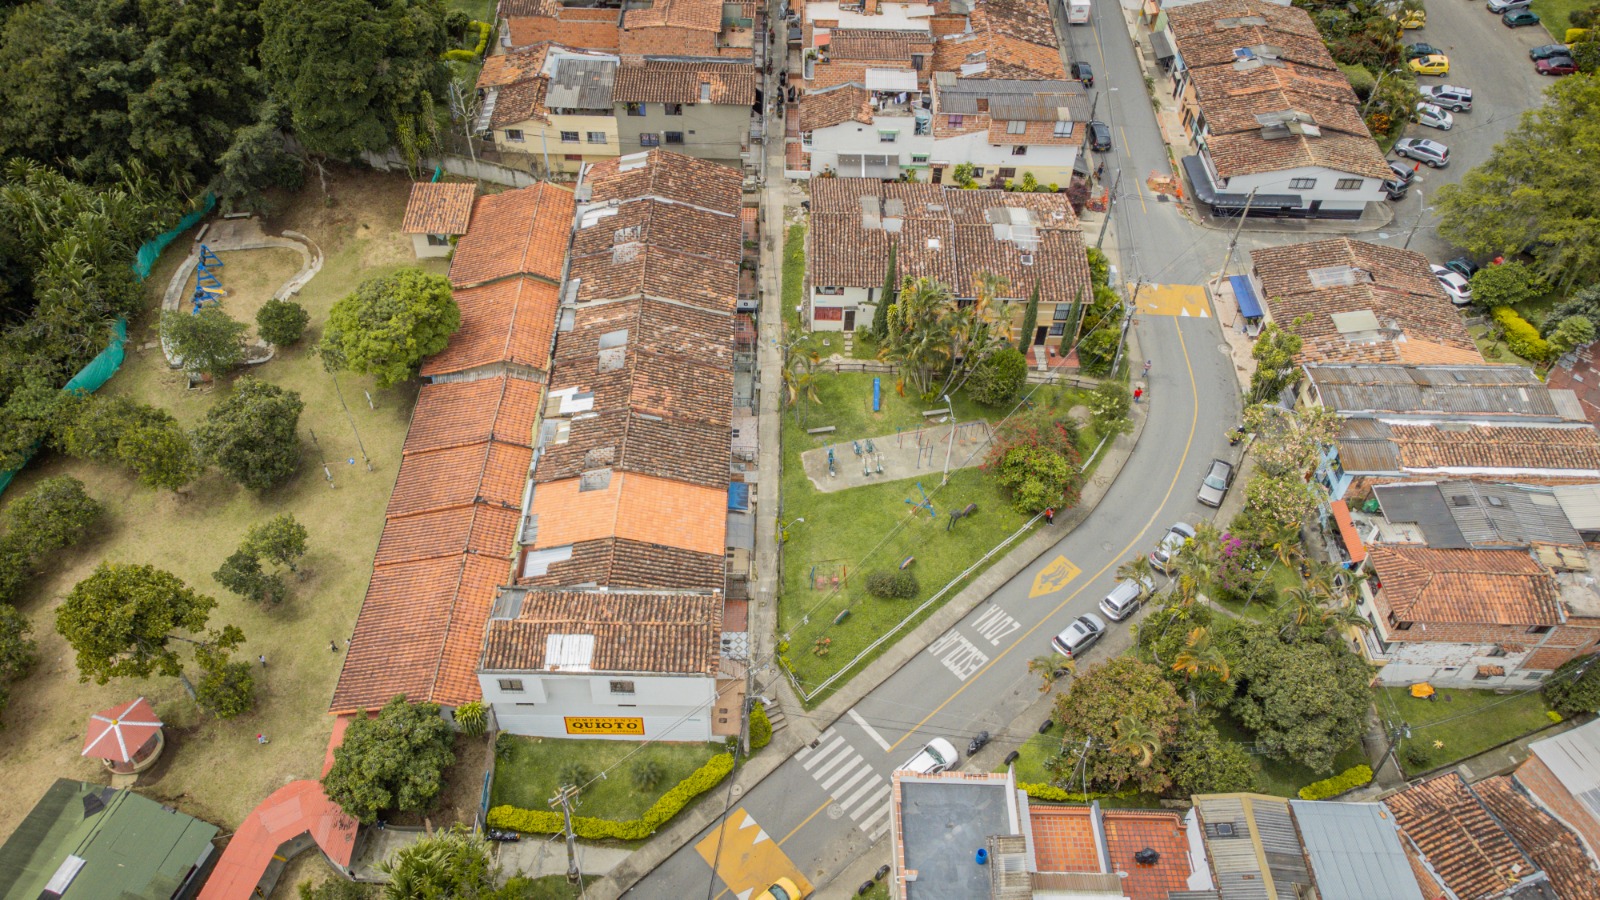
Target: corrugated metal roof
x=581, y=84
x=1574, y=758
x=1424, y=505
x=1435, y=391
x=1507, y=515
x=1355, y=851
x=1365, y=447
x=960, y=96
x=1261, y=831
x=1042, y=107
x=1581, y=503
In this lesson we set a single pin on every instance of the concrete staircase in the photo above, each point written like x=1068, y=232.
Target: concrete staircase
x=774, y=714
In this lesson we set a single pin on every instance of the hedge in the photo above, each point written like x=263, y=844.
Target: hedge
x=1052, y=794
x=1348, y=780
x=1521, y=336
x=472, y=55
x=540, y=821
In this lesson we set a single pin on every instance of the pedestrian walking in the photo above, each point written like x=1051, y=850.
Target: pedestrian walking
x=1147, y=367
x=263, y=659
x=333, y=646
x=262, y=739
x=1050, y=515
x=1137, y=393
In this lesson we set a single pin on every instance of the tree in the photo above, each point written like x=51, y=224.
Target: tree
x=91, y=425
x=393, y=762
x=27, y=418
x=1507, y=284
x=1583, y=302
x=1535, y=192
x=1276, y=502
x=1203, y=665
x=56, y=514
x=1572, y=333
x=1290, y=442
x=1136, y=740
x=1201, y=762
x=241, y=573
x=251, y=435
x=1097, y=350
x=1274, y=353
x=1109, y=406
x=998, y=380
x=1574, y=687
x=919, y=340
x=1049, y=667
x=800, y=381
x=258, y=158
x=281, y=539
x=454, y=864
x=390, y=324
x=355, y=74
x=16, y=650
x=1586, y=54
x=208, y=342
x=880, y=313
x=1037, y=462
x=226, y=688
x=1099, y=708
x=161, y=455
x=281, y=323
x=1305, y=699
x=1030, y=317
x=122, y=620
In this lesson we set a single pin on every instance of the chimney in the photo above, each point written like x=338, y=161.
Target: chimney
x=983, y=104
x=870, y=7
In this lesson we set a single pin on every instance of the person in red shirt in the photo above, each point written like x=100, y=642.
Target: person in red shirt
x=1137, y=393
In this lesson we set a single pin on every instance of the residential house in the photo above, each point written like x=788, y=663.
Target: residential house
x=689, y=29
x=626, y=665
x=700, y=109
x=585, y=24
x=845, y=54
x=1251, y=847
x=551, y=106
x=1353, y=302
x=436, y=215
x=946, y=234
x=1007, y=128
x=1562, y=774
x=1353, y=851
x=1579, y=372
x=851, y=131
x=1273, y=121
x=1004, y=39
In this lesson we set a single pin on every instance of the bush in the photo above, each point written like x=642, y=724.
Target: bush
x=281, y=323
x=539, y=821
x=575, y=774
x=997, y=380
x=1096, y=351
x=1348, y=780
x=760, y=728
x=472, y=717
x=1099, y=266
x=1522, y=337
x=1574, y=687
x=1049, y=793
x=1109, y=405
x=1505, y=285
x=1415, y=756
x=646, y=775
x=892, y=585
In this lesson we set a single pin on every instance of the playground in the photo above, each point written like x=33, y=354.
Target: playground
x=917, y=453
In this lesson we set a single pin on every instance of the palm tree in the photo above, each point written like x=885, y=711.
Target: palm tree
x=1050, y=667
x=1137, y=739
x=800, y=380
x=1199, y=657
x=1137, y=569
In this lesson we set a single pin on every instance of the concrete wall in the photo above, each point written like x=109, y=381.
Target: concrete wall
x=674, y=708
x=710, y=131
x=538, y=140
x=1049, y=164
x=1371, y=190
x=858, y=299
x=425, y=250
x=854, y=137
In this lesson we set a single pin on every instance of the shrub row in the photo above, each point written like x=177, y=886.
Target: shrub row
x=1348, y=780
x=540, y=821
x=472, y=55
x=1049, y=793
x=1521, y=336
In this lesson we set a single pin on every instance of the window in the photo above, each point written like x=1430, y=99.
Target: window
x=1541, y=629
x=649, y=140
x=1302, y=184
x=511, y=685
x=438, y=240
x=597, y=137
x=1061, y=312
x=1063, y=129
x=514, y=135
x=1058, y=330
x=1016, y=126
x=573, y=157
x=673, y=109
x=917, y=61
x=955, y=121
x=622, y=687
x=635, y=109
x=888, y=137
x=830, y=291
x=1348, y=184
x=1019, y=150
x=919, y=159
x=805, y=138
x=569, y=137
x=1008, y=172
x=674, y=137
x=977, y=171
x=828, y=313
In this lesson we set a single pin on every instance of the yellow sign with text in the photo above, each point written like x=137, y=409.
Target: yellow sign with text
x=631, y=726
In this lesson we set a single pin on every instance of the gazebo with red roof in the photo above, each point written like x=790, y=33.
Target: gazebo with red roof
x=127, y=738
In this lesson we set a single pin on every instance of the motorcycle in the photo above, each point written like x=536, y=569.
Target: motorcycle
x=1236, y=436
x=510, y=837
x=977, y=743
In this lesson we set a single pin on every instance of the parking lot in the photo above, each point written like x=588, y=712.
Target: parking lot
x=1492, y=60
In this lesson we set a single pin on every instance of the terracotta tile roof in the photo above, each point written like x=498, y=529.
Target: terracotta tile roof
x=521, y=102
x=1397, y=286
x=999, y=56
x=1553, y=846
x=1578, y=372
x=678, y=634
x=946, y=235
x=632, y=507
x=468, y=413
x=671, y=81
x=1036, y=134
x=835, y=105
x=1063, y=841
x=520, y=232
x=633, y=564
x=879, y=45
x=524, y=63
x=450, y=532
x=508, y=9
x=441, y=208
x=699, y=15
x=1433, y=447
x=668, y=176
x=1024, y=20
x=510, y=321
x=591, y=34
x=654, y=248
x=1501, y=587
x=1468, y=850
x=1209, y=42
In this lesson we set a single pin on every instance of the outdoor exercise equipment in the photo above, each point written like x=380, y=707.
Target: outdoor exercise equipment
x=832, y=471
x=856, y=446
x=924, y=504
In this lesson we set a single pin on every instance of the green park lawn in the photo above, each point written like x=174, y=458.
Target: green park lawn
x=1553, y=15
x=1465, y=722
x=529, y=776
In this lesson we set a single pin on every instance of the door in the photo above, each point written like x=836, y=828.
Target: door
x=938, y=174
x=1315, y=205
x=849, y=320
x=1041, y=334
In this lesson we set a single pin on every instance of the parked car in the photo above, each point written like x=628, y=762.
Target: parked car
x=1099, y=136
x=1079, y=636
x=1556, y=65
x=1179, y=534
x=1432, y=154
x=932, y=759
x=1454, y=284
x=1215, y=485
x=1450, y=96
x=1500, y=7
x=1082, y=72
x=1124, y=599
x=1517, y=18
x=1395, y=189
x=1414, y=51
x=782, y=889
x=1549, y=50
x=1435, y=64
x=1434, y=117
x=1463, y=266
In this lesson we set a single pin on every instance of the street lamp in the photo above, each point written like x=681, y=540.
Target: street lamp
x=950, y=408
x=1421, y=211
x=1375, y=85
x=783, y=530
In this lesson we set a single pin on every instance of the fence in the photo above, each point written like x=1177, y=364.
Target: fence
x=479, y=169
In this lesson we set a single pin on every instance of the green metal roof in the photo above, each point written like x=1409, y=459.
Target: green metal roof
x=122, y=845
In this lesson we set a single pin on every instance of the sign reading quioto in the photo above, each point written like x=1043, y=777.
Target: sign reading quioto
x=616, y=725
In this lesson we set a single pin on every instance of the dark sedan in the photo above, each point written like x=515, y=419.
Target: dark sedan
x=1556, y=65
x=1549, y=51
x=1099, y=136
x=1419, y=50
x=1517, y=18
x=1081, y=72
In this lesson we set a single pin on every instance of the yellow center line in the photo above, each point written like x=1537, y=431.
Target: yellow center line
x=1194, y=421
x=1138, y=186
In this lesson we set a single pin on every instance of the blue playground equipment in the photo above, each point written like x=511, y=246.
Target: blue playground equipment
x=207, y=287
x=877, y=396
x=856, y=446
x=832, y=471
x=871, y=449
x=925, y=504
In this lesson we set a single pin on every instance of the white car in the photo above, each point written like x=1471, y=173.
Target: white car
x=937, y=756
x=1434, y=117
x=1459, y=288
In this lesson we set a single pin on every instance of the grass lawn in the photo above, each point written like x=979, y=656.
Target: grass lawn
x=553, y=887
x=794, y=276
x=1553, y=15
x=211, y=769
x=871, y=527
x=1284, y=778
x=1464, y=722
x=479, y=10
x=530, y=777
x=1496, y=351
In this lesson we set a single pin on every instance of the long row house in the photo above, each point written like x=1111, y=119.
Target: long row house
x=569, y=538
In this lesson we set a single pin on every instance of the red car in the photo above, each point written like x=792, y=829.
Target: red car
x=1556, y=65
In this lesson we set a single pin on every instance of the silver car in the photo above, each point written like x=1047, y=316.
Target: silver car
x=1179, y=534
x=1124, y=599
x=1079, y=636
x=1432, y=154
x=1501, y=7
x=1434, y=117
x=1450, y=96
x=1215, y=487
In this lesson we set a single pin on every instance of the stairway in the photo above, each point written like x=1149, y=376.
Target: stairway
x=774, y=714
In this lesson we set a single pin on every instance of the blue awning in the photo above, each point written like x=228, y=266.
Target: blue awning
x=1249, y=305
x=738, y=495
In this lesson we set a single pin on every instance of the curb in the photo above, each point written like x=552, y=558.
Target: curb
x=803, y=731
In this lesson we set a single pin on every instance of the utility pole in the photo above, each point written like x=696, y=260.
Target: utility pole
x=951, y=409
x=1413, y=232
x=1234, y=241
x=1111, y=202
x=564, y=797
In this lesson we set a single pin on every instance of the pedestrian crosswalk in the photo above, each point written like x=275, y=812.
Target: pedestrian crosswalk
x=847, y=777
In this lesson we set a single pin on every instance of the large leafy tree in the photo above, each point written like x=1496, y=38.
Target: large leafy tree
x=124, y=619
x=1201, y=762
x=251, y=435
x=1118, y=710
x=1574, y=687
x=1304, y=697
x=1536, y=192
x=355, y=74
x=390, y=324
x=393, y=762
x=1036, y=460
x=281, y=539
x=56, y=514
x=996, y=381
x=209, y=342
